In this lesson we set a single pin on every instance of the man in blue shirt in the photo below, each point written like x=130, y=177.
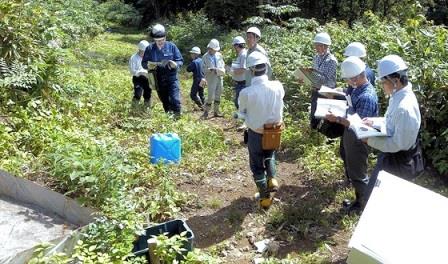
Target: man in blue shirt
x=362, y=100
x=165, y=58
x=197, y=91
x=357, y=49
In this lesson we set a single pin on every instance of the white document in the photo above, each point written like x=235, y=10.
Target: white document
x=378, y=128
x=401, y=223
x=326, y=106
x=330, y=92
x=307, y=75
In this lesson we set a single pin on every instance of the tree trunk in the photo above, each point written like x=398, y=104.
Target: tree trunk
x=260, y=2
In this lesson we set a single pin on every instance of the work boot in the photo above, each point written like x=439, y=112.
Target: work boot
x=216, y=111
x=206, y=109
x=355, y=206
x=272, y=185
x=265, y=203
x=134, y=104
x=147, y=104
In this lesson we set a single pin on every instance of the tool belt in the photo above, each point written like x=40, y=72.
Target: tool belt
x=272, y=134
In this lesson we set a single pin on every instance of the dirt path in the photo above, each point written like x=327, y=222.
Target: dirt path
x=228, y=221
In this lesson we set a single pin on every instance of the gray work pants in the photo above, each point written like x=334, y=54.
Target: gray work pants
x=355, y=156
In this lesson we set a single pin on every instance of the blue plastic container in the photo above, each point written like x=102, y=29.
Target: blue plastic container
x=165, y=148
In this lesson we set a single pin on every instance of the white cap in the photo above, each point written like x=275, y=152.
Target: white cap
x=256, y=58
x=195, y=50
x=352, y=66
x=238, y=40
x=214, y=45
x=322, y=38
x=158, y=32
x=355, y=49
x=142, y=45
x=390, y=64
x=254, y=30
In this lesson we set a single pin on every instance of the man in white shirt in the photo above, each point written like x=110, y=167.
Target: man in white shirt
x=139, y=76
x=400, y=149
x=238, y=68
x=261, y=104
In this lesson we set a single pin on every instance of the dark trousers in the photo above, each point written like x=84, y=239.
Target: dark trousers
x=355, y=155
x=239, y=86
x=197, y=93
x=406, y=164
x=262, y=162
x=141, y=87
x=314, y=122
x=169, y=94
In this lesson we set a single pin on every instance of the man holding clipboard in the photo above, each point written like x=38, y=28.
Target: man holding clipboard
x=322, y=73
x=354, y=152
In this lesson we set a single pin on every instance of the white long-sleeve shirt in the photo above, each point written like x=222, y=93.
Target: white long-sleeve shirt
x=135, y=66
x=402, y=122
x=262, y=102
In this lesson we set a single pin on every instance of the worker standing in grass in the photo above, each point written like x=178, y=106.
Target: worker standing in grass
x=214, y=69
x=253, y=35
x=261, y=105
x=354, y=152
x=140, y=76
x=401, y=153
x=238, y=68
x=197, y=91
x=358, y=49
x=324, y=64
x=165, y=58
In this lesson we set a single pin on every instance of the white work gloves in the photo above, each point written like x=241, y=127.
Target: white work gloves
x=172, y=65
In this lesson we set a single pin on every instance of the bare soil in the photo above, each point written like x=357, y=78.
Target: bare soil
x=229, y=221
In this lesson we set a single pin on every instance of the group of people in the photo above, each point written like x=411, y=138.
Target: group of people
x=400, y=151
x=259, y=101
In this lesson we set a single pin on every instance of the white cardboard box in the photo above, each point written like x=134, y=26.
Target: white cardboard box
x=402, y=223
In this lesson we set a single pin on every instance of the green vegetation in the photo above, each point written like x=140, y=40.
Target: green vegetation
x=66, y=119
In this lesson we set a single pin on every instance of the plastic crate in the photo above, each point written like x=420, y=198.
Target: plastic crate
x=174, y=227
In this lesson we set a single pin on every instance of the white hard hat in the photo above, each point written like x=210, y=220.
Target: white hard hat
x=322, y=38
x=355, y=49
x=195, y=50
x=352, y=66
x=158, y=31
x=254, y=30
x=142, y=45
x=214, y=45
x=390, y=64
x=256, y=58
x=238, y=40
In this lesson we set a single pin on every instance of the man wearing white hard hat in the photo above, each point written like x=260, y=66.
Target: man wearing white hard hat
x=253, y=35
x=165, y=58
x=354, y=152
x=400, y=150
x=140, y=76
x=238, y=68
x=325, y=64
x=261, y=105
x=358, y=49
x=197, y=91
x=214, y=69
